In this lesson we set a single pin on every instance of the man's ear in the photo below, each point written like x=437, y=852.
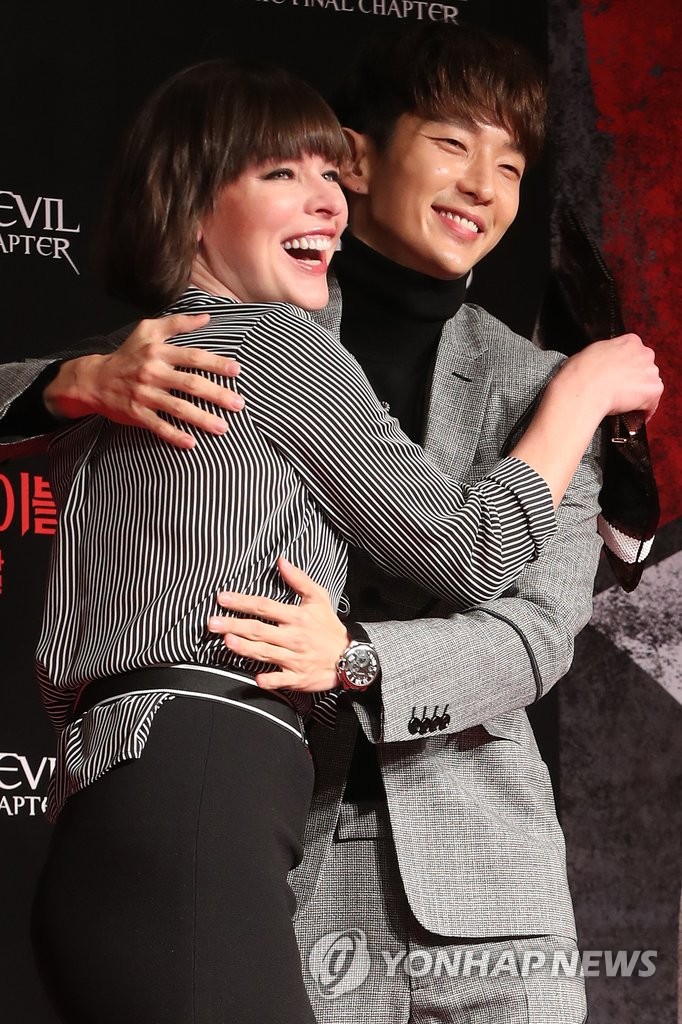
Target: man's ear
x=355, y=174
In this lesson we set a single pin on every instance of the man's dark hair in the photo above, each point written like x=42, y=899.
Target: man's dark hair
x=443, y=72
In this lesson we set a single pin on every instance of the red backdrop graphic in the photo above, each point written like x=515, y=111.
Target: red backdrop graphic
x=636, y=73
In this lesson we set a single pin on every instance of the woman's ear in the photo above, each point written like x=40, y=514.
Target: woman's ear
x=355, y=174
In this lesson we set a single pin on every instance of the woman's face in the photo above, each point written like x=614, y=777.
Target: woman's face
x=272, y=234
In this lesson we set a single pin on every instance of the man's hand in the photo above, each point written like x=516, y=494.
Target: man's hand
x=133, y=384
x=304, y=641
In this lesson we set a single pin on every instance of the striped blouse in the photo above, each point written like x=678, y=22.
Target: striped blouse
x=148, y=534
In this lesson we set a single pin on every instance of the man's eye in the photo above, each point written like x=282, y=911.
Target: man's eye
x=331, y=175
x=512, y=169
x=453, y=143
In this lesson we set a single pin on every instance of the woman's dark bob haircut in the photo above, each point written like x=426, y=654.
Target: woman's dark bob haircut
x=198, y=132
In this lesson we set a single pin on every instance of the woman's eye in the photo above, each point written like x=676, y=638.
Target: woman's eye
x=332, y=175
x=278, y=173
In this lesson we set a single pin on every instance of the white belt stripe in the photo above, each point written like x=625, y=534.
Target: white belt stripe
x=148, y=534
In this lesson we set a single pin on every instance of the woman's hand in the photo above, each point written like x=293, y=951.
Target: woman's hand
x=305, y=641
x=606, y=378
x=618, y=376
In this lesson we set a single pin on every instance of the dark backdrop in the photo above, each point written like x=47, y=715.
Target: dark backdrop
x=71, y=75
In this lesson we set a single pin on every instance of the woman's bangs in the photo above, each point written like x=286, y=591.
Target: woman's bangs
x=292, y=128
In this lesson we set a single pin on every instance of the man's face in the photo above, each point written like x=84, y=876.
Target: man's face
x=439, y=196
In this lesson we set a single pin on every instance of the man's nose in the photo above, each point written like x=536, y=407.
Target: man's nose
x=477, y=178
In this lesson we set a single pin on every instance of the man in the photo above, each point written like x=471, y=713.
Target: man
x=434, y=888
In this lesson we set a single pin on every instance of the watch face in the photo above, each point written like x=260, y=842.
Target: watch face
x=360, y=666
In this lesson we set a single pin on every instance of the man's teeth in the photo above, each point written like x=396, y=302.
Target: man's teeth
x=319, y=242
x=459, y=220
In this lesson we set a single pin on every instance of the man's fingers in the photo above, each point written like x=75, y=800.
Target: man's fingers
x=247, y=629
x=198, y=359
x=144, y=412
x=153, y=330
x=255, y=630
x=259, y=608
x=158, y=330
x=149, y=341
x=162, y=376
x=163, y=429
x=299, y=581
x=201, y=387
x=277, y=680
x=146, y=376
x=284, y=679
x=188, y=412
x=259, y=651
x=176, y=323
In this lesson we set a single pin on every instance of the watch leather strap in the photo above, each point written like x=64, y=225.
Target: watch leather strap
x=357, y=632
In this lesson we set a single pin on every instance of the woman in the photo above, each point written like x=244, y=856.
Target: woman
x=181, y=788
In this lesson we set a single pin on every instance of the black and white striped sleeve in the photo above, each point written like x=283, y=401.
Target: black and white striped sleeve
x=312, y=401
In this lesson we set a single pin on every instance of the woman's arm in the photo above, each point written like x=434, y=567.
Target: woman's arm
x=466, y=544
x=606, y=378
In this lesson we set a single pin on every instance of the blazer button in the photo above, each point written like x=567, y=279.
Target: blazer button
x=444, y=720
x=414, y=723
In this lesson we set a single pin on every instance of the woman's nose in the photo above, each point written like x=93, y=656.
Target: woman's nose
x=326, y=197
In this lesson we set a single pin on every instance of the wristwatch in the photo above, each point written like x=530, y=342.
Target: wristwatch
x=358, y=668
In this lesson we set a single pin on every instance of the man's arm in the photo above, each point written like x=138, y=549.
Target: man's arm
x=127, y=377
x=506, y=654
x=480, y=664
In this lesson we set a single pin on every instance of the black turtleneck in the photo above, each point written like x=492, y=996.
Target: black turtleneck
x=391, y=320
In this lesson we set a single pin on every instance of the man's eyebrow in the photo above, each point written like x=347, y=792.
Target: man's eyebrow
x=451, y=122
x=459, y=124
x=513, y=144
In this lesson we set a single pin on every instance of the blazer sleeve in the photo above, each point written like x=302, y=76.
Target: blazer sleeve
x=506, y=654
x=25, y=424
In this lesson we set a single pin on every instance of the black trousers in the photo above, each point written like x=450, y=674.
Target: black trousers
x=164, y=898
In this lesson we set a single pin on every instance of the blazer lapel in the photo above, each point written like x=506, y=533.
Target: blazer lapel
x=459, y=395
x=459, y=387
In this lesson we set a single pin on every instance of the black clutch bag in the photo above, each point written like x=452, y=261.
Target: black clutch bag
x=581, y=305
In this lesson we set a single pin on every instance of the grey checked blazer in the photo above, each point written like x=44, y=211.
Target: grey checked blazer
x=472, y=811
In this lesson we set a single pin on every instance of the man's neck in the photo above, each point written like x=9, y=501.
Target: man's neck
x=391, y=320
